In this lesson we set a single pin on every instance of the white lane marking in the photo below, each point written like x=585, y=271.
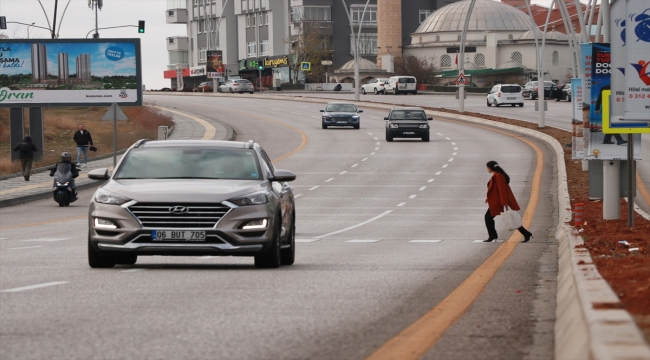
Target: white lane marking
x=374, y=117
x=37, y=286
x=447, y=138
x=3, y=238
x=438, y=173
x=330, y=179
x=315, y=117
x=455, y=154
x=453, y=143
x=355, y=165
x=480, y=241
x=422, y=188
x=205, y=257
x=362, y=241
x=297, y=113
x=342, y=172
x=376, y=139
x=450, y=159
x=455, y=148
x=314, y=187
x=364, y=159
x=297, y=196
x=378, y=143
x=445, y=165
x=401, y=204
x=27, y=247
x=412, y=196
x=137, y=270
x=372, y=153
x=355, y=226
x=48, y=239
x=440, y=134
x=376, y=148
x=370, y=134
x=430, y=180
x=425, y=241
x=306, y=240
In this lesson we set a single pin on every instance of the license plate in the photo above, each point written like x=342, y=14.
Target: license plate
x=511, y=98
x=409, y=133
x=402, y=86
x=341, y=122
x=178, y=235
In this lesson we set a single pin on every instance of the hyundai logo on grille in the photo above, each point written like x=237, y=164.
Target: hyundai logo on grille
x=178, y=210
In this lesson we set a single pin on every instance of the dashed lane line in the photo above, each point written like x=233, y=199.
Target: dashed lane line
x=445, y=165
x=342, y=172
x=314, y=187
x=355, y=226
x=330, y=179
x=401, y=204
x=453, y=143
x=27, y=247
x=306, y=240
x=376, y=148
x=450, y=159
x=364, y=159
x=376, y=139
x=447, y=138
x=46, y=239
x=355, y=165
x=438, y=173
x=372, y=153
x=422, y=188
x=425, y=241
x=37, y=286
x=455, y=154
x=361, y=241
x=430, y=180
x=412, y=196
x=297, y=196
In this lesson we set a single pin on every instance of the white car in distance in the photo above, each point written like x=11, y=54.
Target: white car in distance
x=505, y=94
x=376, y=86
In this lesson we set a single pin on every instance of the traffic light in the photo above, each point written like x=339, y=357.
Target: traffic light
x=141, y=26
x=260, y=65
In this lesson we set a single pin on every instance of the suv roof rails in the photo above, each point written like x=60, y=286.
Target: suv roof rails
x=140, y=143
x=250, y=144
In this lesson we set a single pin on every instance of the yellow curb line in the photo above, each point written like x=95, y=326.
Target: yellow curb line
x=414, y=341
x=210, y=130
x=642, y=189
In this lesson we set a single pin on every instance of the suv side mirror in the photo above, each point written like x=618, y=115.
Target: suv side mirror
x=360, y=111
x=430, y=118
x=99, y=174
x=283, y=175
x=386, y=118
x=321, y=110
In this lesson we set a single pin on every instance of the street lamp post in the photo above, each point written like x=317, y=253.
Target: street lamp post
x=355, y=39
x=463, y=38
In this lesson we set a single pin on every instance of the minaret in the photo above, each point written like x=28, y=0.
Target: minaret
x=389, y=31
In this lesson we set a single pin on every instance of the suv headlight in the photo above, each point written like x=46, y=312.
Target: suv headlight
x=252, y=199
x=104, y=197
x=424, y=126
x=356, y=117
x=393, y=126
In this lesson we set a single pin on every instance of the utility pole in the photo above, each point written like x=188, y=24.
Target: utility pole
x=461, y=71
x=355, y=39
x=96, y=5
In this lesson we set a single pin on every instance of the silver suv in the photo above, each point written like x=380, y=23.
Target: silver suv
x=191, y=198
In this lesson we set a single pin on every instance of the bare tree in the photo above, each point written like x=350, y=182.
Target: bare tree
x=3, y=36
x=311, y=45
x=422, y=68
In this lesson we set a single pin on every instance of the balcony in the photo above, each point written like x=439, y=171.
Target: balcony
x=178, y=43
x=176, y=16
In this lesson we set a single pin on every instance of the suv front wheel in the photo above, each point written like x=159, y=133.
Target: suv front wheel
x=389, y=136
x=97, y=260
x=272, y=258
x=425, y=138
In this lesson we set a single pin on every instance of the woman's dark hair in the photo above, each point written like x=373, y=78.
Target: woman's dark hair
x=492, y=165
x=27, y=139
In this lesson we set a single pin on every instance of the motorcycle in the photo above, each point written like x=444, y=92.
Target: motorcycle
x=63, y=190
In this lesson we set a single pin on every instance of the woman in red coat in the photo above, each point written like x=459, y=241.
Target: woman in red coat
x=499, y=195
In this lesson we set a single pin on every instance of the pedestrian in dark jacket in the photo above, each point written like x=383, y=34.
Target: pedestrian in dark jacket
x=499, y=195
x=84, y=140
x=26, y=150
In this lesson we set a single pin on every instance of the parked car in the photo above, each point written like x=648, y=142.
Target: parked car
x=165, y=89
x=192, y=198
x=341, y=114
x=565, y=93
x=205, y=86
x=237, y=85
x=531, y=89
x=407, y=122
x=185, y=89
x=401, y=85
x=502, y=94
x=376, y=86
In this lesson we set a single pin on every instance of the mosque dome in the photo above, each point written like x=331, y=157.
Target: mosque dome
x=365, y=65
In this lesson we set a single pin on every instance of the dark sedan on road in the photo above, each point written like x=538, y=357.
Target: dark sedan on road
x=192, y=198
x=341, y=114
x=407, y=122
x=530, y=90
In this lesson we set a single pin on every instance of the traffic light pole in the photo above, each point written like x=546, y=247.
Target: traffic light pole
x=111, y=27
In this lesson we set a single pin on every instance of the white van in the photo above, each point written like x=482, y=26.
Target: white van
x=401, y=85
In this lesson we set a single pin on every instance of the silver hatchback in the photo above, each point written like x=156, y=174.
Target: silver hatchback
x=192, y=198
x=237, y=86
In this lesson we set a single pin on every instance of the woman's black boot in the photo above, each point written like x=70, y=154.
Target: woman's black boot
x=490, y=239
x=527, y=234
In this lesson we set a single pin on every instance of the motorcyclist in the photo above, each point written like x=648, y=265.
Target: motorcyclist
x=65, y=165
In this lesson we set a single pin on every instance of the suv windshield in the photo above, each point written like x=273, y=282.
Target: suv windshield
x=341, y=108
x=408, y=115
x=189, y=163
x=510, y=89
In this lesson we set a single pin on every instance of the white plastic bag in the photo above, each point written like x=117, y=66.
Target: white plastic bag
x=511, y=219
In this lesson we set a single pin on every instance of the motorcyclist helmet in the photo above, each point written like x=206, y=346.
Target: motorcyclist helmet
x=66, y=156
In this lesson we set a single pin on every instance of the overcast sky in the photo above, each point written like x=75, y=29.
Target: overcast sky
x=79, y=20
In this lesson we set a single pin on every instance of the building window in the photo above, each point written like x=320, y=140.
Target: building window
x=367, y=44
x=253, y=19
x=250, y=5
x=479, y=60
x=203, y=55
x=556, y=58
x=267, y=18
x=261, y=19
x=445, y=61
x=252, y=49
x=510, y=37
x=311, y=13
x=370, y=18
x=257, y=4
x=459, y=37
x=517, y=57
x=437, y=37
x=424, y=14
x=201, y=26
x=264, y=48
x=178, y=57
x=243, y=5
x=248, y=21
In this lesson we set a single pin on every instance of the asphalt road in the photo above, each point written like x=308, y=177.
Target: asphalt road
x=356, y=283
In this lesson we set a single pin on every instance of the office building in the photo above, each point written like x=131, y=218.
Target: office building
x=39, y=62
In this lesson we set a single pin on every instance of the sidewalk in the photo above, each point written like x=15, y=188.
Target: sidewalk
x=16, y=190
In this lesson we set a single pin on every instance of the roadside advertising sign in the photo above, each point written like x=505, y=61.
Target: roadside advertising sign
x=197, y=71
x=577, y=133
x=637, y=64
x=70, y=72
x=617, y=23
x=215, y=67
x=585, y=69
x=636, y=132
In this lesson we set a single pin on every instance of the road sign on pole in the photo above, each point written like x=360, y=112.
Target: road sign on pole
x=461, y=79
x=305, y=66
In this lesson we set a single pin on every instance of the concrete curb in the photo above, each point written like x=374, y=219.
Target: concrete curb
x=581, y=332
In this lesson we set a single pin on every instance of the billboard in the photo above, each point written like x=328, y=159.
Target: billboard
x=637, y=64
x=70, y=72
x=577, y=143
x=215, y=67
